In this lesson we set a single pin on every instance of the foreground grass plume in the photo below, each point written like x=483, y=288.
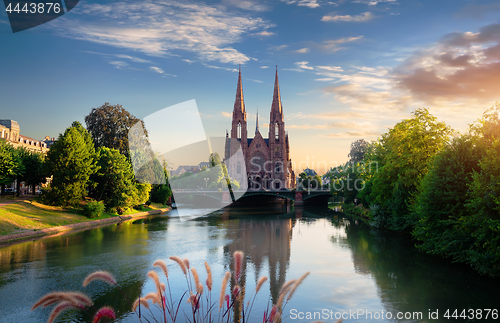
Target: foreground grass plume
x=232, y=304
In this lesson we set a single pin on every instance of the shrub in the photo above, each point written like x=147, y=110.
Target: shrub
x=93, y=209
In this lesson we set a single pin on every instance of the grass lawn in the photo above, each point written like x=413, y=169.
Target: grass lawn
x=27, y=215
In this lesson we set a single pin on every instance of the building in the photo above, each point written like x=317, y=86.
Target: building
x=266, y=160
x=10, y=131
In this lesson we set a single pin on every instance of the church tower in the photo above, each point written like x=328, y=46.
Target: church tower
x=239, y=126
x=277, y=139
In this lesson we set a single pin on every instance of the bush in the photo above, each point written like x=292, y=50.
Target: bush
x=93, y=209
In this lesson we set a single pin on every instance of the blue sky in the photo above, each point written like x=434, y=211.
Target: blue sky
x=348, y=69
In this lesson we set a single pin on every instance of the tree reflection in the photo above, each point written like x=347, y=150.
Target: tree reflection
x=409, y=280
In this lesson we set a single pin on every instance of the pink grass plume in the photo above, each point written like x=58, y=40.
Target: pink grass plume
x=100, y=275
x=103, y=312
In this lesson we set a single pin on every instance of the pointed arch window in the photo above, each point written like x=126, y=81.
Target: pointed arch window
x=277, y=131
x=238, y=131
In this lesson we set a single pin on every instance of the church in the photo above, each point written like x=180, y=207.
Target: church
x=266, y=160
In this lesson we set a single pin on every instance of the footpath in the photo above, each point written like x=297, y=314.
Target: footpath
x=15, y=237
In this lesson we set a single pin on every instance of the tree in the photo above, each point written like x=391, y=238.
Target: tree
x=71, y=160
x=10, y=165
x=357, y=152
x=214, y=159
x=403, y=155
x=161, y=193
x=439, y=208
x=35, y=170
x=115, y=182
x=109, y=126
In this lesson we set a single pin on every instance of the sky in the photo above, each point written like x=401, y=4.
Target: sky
x=348, y=69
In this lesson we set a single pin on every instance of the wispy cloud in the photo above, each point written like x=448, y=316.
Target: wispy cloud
x=226, y=114
x=304, y=65
x=264, y=33
x=303, y=50
x=157, y=69
x=264, y=67
x=374, y=2
x=163, y=28
x=246, y=5
x=365, y=16
x=119, y=64
x=277, y=48
x=303, y=3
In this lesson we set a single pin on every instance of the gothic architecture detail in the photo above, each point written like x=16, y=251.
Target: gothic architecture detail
x=267, y=160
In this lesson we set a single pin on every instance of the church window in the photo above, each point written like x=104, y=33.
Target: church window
x=277, y=131
x=238, y=168
x=238, y=131
x=277, y=168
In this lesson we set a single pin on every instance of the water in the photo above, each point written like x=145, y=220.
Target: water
x=354, y=269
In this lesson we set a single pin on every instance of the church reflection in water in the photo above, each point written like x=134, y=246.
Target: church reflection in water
x=266, y=243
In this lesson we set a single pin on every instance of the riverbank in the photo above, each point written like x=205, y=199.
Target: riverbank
x=28, y=219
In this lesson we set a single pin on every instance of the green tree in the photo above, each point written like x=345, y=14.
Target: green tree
x=115, y=182
x=439, y=208
x=109, y=126
x=357, y=152
x=402, y=156
x=71, y=160
x=161, y=193
x=10, y=165
x=35, y=170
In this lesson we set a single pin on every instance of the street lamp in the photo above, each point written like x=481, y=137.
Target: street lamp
x=206, y=182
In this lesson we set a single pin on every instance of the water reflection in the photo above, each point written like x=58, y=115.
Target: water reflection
x=352, y=266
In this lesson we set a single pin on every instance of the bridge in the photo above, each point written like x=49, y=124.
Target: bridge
x=299, y=198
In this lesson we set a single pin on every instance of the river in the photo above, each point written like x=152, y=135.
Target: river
x=355, y=271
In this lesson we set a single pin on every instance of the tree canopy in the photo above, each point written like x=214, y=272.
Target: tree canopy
x=109, y=126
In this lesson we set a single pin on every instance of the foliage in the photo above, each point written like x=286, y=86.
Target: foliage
x=402, y=155
x=71, y=160
x=93, y=209
x=309, y=182
x=10, y=164
x=440, y=210
x=357, y=152
x=115, y=182
x=109, y=126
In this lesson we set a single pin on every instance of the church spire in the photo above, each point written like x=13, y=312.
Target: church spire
x=276, y=106
x=257, y=122
x=239, y=103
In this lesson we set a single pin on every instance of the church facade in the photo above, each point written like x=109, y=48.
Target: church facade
x=265, y=162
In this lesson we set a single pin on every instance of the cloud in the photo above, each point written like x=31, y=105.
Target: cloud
x=246, y=5
x=188, y=60
x=374, y=2
x=304, y=65
x=357, y=134
x=325, y=79
x=220, y=67
x=331, y=68
x=119, y=64
x=156, y=69
x=365, y=16
x=303, y=3
x=227, y=114
x=303, y=50
x=479, y=11
x=264, y=67
x=332, y=45
x=162, y=28
x=277, y=48
x=305, y=126
x=460, y=66
x=264, y=33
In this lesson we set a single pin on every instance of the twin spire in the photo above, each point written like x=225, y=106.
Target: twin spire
x=239, y=103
